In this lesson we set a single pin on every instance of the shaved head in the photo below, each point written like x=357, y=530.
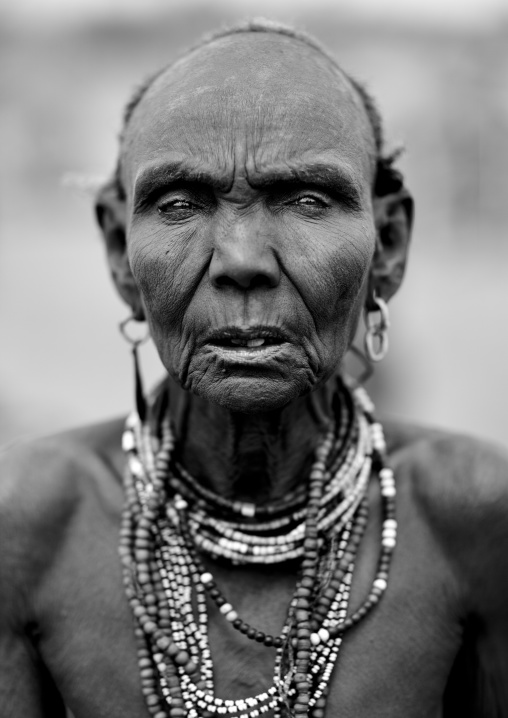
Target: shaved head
x=280, y=93
x=386, y=178
x=250, y=202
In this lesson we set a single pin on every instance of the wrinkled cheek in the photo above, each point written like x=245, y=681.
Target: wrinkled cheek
x=329, y=266
x=157, y=269
x=347, y=313
x=351, y=280
x=165, y=287
x=332, y=281
x=343, y=280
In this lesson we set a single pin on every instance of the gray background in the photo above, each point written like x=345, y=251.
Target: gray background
x=440, y=73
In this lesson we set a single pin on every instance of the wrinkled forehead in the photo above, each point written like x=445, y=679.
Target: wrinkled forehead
x=257, y=98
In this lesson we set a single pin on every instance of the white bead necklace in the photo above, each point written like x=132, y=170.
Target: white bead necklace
x=163, y=532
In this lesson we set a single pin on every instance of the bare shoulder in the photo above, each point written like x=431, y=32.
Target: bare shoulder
x=459, y=485
x=51, y=473
x=45, y=486
x=463, y=473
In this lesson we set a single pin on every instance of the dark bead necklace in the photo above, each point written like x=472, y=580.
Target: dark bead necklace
x=169, y=519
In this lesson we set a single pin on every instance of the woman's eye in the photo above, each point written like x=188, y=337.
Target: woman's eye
x=175, y=205
x=181, y=205
x=309, y=201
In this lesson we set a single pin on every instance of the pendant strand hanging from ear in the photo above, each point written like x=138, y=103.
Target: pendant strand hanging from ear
x=138, y=383
x=376, y=336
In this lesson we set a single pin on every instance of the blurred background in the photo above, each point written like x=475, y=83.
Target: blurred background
x=439, y=69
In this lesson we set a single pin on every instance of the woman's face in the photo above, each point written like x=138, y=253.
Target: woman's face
x=248, y=169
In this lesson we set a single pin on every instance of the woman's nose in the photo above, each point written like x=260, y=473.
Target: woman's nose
x=243, y=258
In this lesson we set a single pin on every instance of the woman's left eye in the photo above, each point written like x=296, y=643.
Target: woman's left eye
x=309, y=202
x=168, y=205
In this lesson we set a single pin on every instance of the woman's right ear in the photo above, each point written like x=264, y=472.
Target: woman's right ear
x=110, y=211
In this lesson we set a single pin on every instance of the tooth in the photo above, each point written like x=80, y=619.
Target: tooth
x=255, y=342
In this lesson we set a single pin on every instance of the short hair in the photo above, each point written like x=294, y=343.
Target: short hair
x=386, y=178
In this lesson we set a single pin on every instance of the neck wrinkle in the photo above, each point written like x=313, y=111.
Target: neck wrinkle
x=257, y=458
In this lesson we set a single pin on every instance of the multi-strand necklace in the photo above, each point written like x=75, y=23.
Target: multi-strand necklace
x=170, y=520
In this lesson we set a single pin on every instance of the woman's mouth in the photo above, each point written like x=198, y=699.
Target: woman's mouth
x=247, y=338
x=254, y=343
x=247, y=342
x=258, y=342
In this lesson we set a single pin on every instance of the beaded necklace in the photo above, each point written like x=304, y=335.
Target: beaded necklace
x=169, y=519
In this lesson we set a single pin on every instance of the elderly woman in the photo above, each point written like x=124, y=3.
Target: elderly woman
x=251, y=546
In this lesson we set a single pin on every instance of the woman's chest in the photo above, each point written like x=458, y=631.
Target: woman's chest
x=395, y=662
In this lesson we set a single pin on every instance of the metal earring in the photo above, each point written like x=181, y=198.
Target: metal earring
x=376, y=335
x=135, y=342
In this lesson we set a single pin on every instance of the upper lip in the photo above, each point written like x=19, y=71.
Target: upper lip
x=246, y=333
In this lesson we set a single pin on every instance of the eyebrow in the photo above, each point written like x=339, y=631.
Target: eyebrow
x=156, y=175
x=336, y=180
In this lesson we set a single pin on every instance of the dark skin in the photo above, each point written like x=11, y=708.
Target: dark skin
x=265, y=238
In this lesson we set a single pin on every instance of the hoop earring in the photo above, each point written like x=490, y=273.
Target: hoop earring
x=135, y=343
x=377, y=331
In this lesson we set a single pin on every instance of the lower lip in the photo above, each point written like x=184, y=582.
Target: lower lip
x=250, y=355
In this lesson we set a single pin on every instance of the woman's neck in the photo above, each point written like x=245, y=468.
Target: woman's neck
x=255, y=458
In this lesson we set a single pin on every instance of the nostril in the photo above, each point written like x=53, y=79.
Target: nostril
x=261, y=280
x=225, y=281
x=256, y=281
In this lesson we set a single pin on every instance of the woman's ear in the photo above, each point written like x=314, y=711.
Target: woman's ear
x=393, y=217
x=110, y=211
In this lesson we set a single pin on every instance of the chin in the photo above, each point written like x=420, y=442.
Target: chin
x=258, y=382
x=250, y=395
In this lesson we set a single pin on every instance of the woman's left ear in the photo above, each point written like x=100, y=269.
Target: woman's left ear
x=393, y=217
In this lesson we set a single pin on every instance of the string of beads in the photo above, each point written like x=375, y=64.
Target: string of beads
x=170, y=520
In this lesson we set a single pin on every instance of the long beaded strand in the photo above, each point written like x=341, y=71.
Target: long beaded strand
x=166, y=583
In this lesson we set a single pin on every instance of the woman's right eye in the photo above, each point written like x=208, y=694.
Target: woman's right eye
x=182, y=204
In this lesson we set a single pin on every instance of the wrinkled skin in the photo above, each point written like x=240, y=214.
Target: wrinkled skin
x=248, y=169
x=233, y=250
x=230, y=250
